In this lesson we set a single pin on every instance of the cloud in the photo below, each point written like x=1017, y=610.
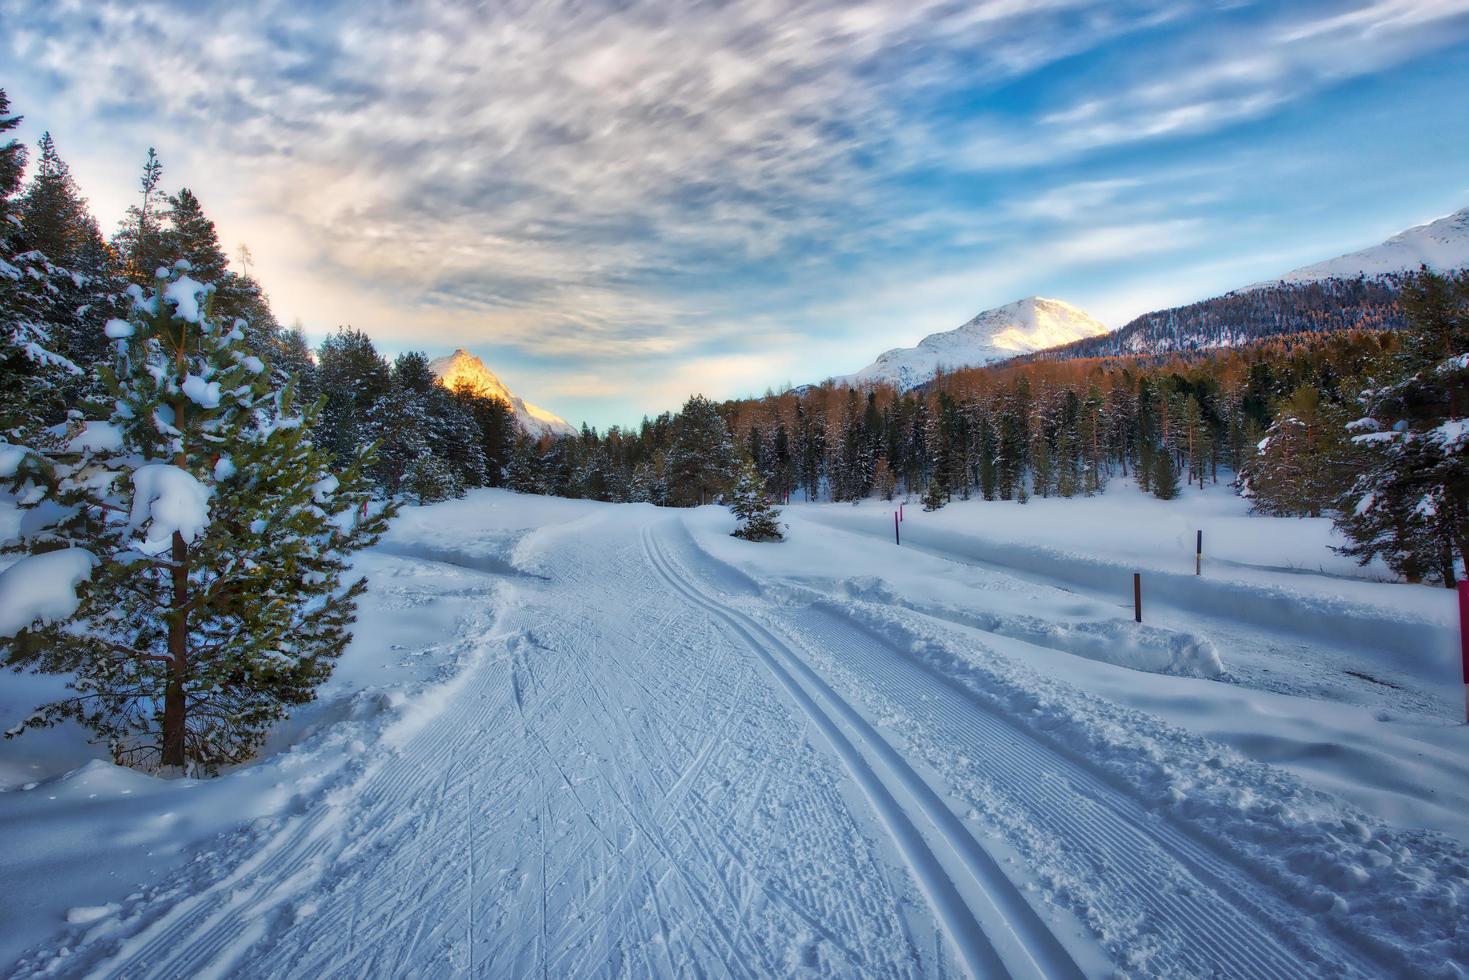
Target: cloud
x=660, y=186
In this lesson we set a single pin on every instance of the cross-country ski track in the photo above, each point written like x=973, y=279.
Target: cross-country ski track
x=648, y=765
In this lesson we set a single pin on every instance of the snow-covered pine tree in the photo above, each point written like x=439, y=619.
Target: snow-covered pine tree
x=934, y=495
x=758, y=516
x=186, y=549
x=1306, y=460
x=1411, y=503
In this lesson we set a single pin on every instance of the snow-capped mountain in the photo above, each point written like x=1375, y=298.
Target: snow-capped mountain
x=462, y=367
x=1441, y=245
x=995, y=335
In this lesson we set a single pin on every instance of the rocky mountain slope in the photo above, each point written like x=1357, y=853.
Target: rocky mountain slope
x=462, y=367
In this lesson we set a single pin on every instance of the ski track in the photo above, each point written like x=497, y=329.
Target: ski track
x=1195, y=914
x=645, y=773
x=618, y=789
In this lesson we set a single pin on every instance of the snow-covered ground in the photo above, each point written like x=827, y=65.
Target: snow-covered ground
x=580, y=739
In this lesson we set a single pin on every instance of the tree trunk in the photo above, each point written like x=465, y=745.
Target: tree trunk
x=175, y=706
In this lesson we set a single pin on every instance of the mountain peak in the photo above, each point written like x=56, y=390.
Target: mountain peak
x=1026, y=325
x=1442, y=244
x=462, y=369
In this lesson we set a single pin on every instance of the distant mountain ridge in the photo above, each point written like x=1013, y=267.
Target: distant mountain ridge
x=463, y=368
x=1017, y=328
x=1442, y=245
x=1358, y=290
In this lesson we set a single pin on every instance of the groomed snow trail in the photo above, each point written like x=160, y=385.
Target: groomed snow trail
x=1191, y=912
x=647, y=767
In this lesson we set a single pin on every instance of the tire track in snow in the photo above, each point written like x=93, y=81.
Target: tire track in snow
x=908, y=807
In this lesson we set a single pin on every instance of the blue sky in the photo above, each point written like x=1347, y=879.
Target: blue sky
x=617, y=204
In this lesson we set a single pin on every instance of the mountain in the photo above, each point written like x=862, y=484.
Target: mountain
x=1441, y=245
x=462, y=367
x=1358, y=290
x=994, y=335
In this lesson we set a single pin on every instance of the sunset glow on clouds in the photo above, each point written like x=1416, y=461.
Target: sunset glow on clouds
x=616, y=204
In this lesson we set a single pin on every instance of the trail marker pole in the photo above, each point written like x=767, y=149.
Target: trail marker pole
x=1199, y=555
x=1137, y=596
x=1464, y=641
x=900, y=512
x=897, y=538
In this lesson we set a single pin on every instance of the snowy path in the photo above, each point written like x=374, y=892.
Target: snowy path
x=651, y=768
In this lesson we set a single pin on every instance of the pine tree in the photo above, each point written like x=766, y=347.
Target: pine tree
x=1305, y=462
x=12, y=156
x=758, y=516
x=934, y=496
x=1164, y=475
x=53, y=212
x=701, y=462
x=139, y=239
x=1410, y=505
x=206, y=539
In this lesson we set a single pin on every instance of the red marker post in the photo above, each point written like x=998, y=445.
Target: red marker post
x=1464, y=642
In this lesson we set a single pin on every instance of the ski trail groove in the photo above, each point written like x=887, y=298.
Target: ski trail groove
x=1215, y=918
x=1032, y=949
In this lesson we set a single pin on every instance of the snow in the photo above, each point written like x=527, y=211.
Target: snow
x=167, y=499
x=185, y=295
x=118, y=329
x=1442, y=245
x=11, y=456
x=96, y=437
x=1021, y=327
x=572, y=738
x=203, y=393
x=463, y=368
x=42, y=587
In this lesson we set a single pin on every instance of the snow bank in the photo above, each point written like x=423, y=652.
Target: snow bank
x=168, y=499
x=42, y=587
x=1400, y=895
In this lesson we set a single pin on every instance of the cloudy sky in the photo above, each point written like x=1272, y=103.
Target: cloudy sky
x=617, y=203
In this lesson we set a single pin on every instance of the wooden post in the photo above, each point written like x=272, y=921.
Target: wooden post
x=1137, y=596
x=900, y=512
x=897, y=538
x=1199, y=555
x=1464, y=641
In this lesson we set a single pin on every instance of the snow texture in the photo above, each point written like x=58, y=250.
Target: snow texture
x=42, y=587
x=1442, y=245
x=575, y=739
x=167, y=499
x=186, y=295
x=1021, y=327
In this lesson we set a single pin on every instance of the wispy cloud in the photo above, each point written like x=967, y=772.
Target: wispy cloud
x=638, y=182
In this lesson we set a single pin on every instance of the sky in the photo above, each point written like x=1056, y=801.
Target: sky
x=619, y=203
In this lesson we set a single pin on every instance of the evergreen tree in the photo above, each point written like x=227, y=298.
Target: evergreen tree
x=53, y=212
x=1164, y=476
x=758, y=516
x=12, y=156
x=1410, y=505
x=934, y=496
x=1305, y=462
x=206, y=539
x=701, y=462
x=139, y=239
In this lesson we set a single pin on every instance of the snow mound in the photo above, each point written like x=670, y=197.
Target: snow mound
x=42, y=587
x=995, y=335
x=463, y=369
x=168, y=499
